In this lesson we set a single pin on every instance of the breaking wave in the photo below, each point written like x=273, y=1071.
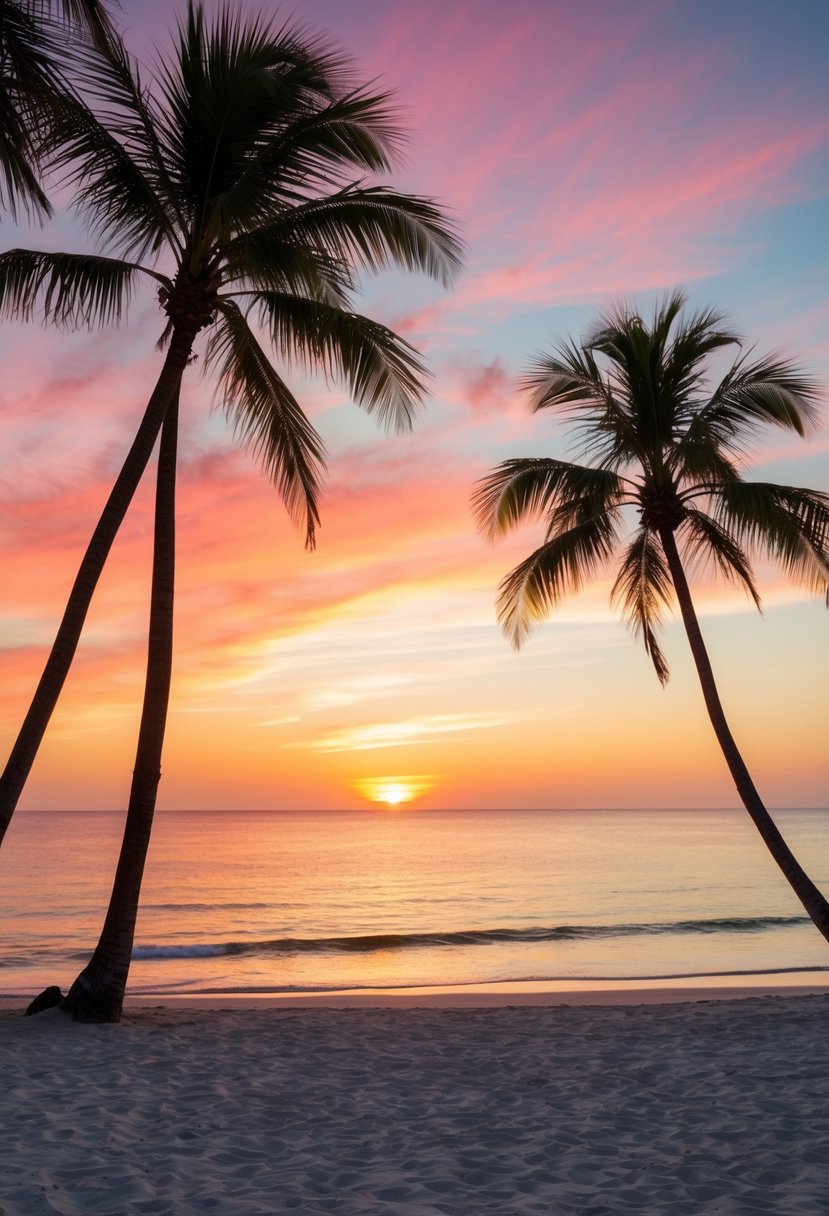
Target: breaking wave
x=373, y=942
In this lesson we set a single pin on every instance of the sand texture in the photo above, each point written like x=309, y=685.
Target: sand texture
x=688, y=1109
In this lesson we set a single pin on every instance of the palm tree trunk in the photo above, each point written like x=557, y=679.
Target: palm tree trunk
x=97, y=995
x=810, y=897
x=25, y=749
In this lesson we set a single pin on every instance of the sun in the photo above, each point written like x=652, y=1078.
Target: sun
x=393, y=791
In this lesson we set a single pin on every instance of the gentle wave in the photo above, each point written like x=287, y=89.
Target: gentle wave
x=503, y=982
x=372, y=942
x=150, y=952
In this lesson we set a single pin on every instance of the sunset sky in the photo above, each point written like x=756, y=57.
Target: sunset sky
x=587, y=152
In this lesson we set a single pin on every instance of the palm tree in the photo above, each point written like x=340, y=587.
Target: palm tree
x=237, y=183
x=32, y=82
x=663, y=443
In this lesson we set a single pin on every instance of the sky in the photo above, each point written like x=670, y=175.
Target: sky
x=587, y=154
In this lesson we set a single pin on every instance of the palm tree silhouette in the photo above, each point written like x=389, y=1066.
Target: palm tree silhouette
x=661, y=443
x=237, y=183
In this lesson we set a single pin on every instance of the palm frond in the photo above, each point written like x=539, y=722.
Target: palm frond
x=90, y=15
x=70, y=290
x=256, y=116
x=109, y=152
x=706, y=541
x=642, y=589
x=374, y=227
x=697, y=460
x=769, y=391
x=634, y=357
x=519, y=490
x=570, y=381
x=317, y=149
x=383, y=372
x=267, y=417
x=789, y=524
x=268, y=260
x=695, y=339
x=561, y=565
x=20, y=188
x=658, y=367
x=30, y=76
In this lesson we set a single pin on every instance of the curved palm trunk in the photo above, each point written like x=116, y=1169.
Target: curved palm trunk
x=98, y=993
x=812, y=900
x=54, y=675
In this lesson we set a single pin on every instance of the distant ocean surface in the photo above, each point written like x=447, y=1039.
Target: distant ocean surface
x=245, y=901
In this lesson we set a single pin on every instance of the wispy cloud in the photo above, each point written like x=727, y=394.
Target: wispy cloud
x=430, y=729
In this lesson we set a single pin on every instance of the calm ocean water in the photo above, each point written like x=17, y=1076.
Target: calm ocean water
x=279, y=901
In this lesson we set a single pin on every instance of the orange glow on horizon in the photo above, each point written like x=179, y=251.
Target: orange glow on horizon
x=393, y=791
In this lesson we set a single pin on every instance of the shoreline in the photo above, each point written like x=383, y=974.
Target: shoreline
x=527, y=993
x=507, y=994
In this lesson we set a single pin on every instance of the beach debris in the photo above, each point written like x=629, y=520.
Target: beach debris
x=47, y=999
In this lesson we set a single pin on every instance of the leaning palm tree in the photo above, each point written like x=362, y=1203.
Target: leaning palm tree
x=236, y=183
x=664, y=444
x=32, y=82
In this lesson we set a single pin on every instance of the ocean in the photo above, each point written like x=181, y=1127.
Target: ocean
x=256, y=902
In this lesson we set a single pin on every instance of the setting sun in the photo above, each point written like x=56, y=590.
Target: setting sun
x=393, y=791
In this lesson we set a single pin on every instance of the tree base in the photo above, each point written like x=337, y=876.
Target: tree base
x=91, y=1002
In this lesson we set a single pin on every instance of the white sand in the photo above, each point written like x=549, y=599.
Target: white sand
x=687, y=1109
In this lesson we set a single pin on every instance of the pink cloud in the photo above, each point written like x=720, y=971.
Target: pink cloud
x=605, y=174
x=487, y=388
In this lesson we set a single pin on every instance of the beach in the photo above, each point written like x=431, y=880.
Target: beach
x=686, y=1106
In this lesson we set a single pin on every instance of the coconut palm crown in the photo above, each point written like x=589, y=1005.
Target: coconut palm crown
x=238, y=181
x=236, y=184
x=663, y=489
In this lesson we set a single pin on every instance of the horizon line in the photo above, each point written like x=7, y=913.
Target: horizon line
x=387, y=809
